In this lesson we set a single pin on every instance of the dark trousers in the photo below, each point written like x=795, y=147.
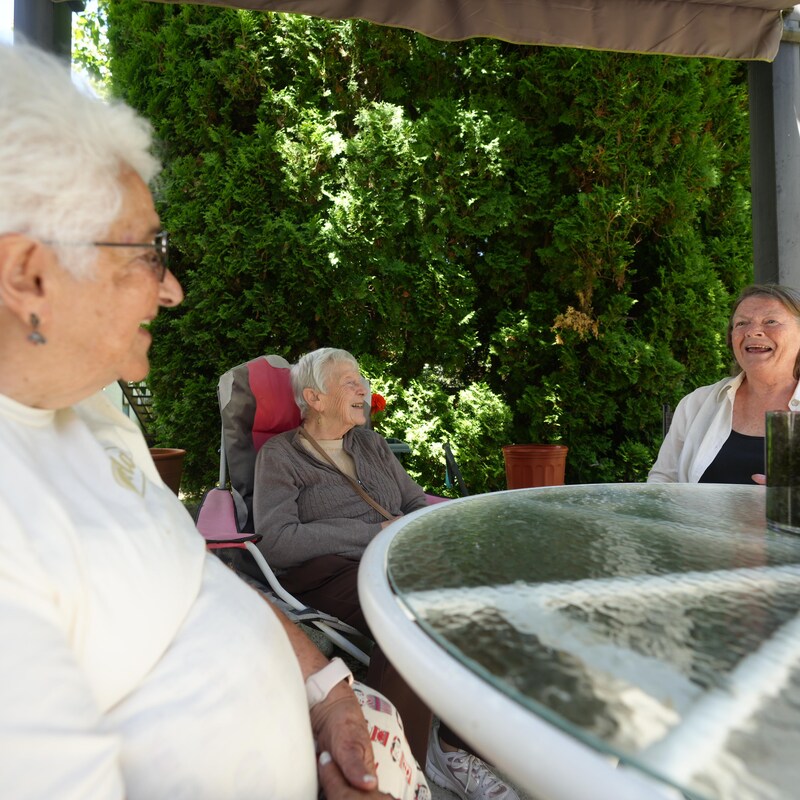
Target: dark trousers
x=329, y=584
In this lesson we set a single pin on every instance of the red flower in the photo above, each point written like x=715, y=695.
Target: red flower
x=378, y=403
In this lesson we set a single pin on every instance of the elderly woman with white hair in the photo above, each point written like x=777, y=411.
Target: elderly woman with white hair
x=133, y=664
x=304, y=502
x=322, y=492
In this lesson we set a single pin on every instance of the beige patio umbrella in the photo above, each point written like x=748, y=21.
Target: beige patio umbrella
x=737, y=29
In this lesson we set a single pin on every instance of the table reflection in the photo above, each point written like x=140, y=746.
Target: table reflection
x=654, y=622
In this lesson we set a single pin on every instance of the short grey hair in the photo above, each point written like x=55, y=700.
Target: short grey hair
x=313, y=370
x=63, y=153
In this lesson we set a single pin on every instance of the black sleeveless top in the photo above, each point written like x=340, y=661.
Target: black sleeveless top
x=740, y=457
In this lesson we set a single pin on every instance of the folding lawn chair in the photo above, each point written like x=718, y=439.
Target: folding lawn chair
x=256, y=402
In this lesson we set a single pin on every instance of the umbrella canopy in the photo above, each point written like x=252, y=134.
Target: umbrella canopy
x=737, y=29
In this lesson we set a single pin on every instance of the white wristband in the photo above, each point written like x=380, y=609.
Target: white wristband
x=319, y=685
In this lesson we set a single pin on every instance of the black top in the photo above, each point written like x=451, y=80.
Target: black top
x=740, y=457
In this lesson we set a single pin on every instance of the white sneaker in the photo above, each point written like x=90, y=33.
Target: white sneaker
x=464, y=774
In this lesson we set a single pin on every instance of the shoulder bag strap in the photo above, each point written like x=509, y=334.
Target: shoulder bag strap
x=355, y=484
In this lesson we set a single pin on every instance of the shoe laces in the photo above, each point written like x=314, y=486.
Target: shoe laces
x=475, y=776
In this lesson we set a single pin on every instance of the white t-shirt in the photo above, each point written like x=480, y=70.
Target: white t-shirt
x=132, y=664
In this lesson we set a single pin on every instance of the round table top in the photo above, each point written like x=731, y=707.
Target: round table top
x=655, y=623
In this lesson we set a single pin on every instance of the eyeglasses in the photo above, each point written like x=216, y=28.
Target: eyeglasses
x=354, y=386
x=160, y=245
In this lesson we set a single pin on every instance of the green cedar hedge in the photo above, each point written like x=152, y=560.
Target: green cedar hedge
x=520, y=244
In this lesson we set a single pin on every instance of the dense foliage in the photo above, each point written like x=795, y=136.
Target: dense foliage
x=519, y=243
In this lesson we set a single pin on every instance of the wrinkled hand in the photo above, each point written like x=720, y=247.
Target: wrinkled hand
x=341, y=730
x=335, y=787
x=759, y=478
x=338, y=725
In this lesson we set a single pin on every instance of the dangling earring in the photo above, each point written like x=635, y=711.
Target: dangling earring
x=34, y=337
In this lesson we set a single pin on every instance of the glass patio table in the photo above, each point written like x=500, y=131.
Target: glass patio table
x=602, y=641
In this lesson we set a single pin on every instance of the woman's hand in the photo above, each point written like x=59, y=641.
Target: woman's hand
x=759, y=478
x=337, y=722
x=335, y=787
x=341, y=730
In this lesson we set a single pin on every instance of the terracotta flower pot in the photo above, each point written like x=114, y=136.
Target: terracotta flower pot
x=169, y=463
x=534, y=465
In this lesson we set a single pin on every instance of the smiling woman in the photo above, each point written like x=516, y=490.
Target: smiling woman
x=304, y=501
x=107, y=595
x=322, y=493
x=717, y=431
x=108, y=309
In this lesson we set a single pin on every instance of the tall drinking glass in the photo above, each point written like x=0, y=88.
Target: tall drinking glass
x=782, y=447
